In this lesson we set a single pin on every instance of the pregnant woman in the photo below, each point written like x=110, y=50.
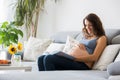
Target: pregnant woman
x=85, y=54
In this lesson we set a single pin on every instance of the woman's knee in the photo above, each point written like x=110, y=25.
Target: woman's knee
x=49, y=58
x=40, y=59
x=40, y=63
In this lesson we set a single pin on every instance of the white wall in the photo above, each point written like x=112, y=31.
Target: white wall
x=68, y=15
x=6, y=10
x=47, y=18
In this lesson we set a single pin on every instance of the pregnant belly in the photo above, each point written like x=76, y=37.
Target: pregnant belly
x=76, y=51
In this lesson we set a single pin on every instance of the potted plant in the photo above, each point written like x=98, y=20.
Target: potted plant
x=9, y=34
x=25, y=11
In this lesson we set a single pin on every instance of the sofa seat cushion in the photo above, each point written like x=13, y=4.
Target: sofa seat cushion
x=33, y=64
x=57, y=75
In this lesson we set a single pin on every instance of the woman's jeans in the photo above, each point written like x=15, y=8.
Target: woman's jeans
x=55, y=62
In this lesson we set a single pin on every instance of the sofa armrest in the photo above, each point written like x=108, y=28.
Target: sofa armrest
x=113, y=68
x=116, y=77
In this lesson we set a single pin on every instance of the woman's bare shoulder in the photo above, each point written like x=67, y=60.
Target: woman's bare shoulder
x=102, y=38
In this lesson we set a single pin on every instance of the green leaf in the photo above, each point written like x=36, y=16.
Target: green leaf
x=4, y=25
x=13, y=38
x=1, y=41
x=9, y=33
x=20, y=33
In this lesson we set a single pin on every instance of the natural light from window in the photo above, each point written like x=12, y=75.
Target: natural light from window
x=3, y=12
x=6, y=10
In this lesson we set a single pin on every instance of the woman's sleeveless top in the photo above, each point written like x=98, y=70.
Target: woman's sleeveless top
x=89, y=44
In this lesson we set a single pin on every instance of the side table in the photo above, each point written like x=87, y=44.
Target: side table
x=26, y=68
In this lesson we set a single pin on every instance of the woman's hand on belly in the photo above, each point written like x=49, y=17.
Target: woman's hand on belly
x=77, y=51
x=82, y=46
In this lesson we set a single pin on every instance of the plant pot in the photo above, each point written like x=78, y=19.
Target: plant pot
x=3, y=54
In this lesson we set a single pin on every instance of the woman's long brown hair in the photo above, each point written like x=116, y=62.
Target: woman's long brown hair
x=96, y=24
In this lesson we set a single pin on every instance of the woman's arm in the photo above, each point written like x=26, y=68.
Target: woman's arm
x=84, y=56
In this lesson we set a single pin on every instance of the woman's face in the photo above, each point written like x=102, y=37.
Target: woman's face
x=88, y=26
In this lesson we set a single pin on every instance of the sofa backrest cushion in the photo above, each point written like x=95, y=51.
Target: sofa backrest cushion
x=111, y=33
x=116, y=40
x=61, y=37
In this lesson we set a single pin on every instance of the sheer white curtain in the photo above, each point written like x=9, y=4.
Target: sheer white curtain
x=3, y=17
x=2, y=11
x=6, y=14
x=6, y=10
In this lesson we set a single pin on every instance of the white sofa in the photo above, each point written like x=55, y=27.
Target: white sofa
x=61, y=37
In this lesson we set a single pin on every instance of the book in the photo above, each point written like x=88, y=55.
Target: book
x=60, y=53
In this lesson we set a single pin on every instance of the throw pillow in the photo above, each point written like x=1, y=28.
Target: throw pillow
x=54, y=47
x=113, y=68
x=35, y=47
x=70, y=42
x=118, y=57
x=107, y=57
